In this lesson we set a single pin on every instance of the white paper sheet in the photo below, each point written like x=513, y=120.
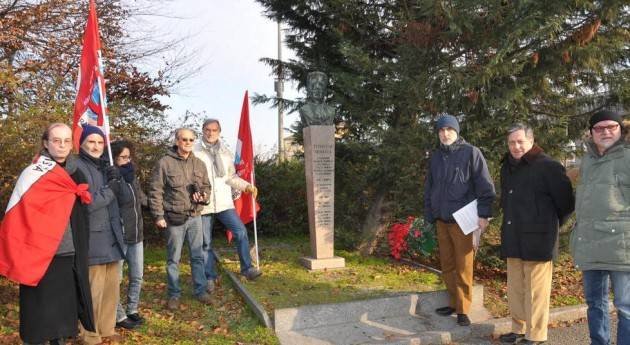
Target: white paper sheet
x=467, y=217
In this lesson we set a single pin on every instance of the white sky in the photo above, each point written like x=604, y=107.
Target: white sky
x=230, y=36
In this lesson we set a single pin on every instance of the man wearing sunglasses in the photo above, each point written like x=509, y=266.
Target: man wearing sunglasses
x=600, y=242
x=178, y=191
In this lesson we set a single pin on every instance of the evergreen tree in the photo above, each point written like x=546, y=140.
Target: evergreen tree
x=394, y=66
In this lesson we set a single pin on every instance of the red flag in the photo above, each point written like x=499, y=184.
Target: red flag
x=90, y=104
x=35, y=220
x=244, y=162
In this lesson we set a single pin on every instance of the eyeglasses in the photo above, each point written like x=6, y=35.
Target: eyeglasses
x=187, y=140
x=609, y=128
x=58, y=141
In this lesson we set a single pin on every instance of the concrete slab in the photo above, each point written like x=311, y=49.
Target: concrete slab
x=406, y=319
x=397, y=320
x=317, y=316
x=314, y=264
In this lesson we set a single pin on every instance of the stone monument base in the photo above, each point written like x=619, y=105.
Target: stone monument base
x=320, y=264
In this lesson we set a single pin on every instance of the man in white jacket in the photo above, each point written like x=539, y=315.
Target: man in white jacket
x=223, y=178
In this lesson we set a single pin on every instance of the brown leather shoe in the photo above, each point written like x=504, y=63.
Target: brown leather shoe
x=204, y=298
x=252, y=273
x=173, y=303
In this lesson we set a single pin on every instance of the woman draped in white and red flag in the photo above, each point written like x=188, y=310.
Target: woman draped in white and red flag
x=44, y=243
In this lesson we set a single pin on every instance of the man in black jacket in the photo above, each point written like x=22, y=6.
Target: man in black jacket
x=536, y=196
x=458, y=174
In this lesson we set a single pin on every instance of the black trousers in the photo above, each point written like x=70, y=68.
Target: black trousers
x=50, y=309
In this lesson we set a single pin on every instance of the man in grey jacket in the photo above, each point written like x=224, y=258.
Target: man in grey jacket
x=600, y=241
x=179, y=189
x=106, y=241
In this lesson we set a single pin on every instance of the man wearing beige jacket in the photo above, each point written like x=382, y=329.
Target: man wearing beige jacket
x=223, y=178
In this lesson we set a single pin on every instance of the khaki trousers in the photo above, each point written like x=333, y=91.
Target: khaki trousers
x=456, y=259
x=529, y=290
x=105, y=288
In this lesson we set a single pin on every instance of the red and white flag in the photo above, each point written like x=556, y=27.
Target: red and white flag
x=244, y=163
x=37, y=215
x=90, y=106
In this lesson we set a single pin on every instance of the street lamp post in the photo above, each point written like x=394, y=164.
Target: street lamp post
x=279, y=88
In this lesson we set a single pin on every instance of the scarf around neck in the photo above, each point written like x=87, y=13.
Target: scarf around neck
x=215, y=155
x=127, y=171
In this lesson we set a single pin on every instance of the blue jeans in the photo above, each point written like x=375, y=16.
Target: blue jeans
x=175, y=236
x=135, y=264
x=230, y=219
x=596, y=293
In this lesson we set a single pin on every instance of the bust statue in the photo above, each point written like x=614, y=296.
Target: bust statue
x=315, y=111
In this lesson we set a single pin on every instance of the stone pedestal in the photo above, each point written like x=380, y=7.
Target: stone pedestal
x=319, y=155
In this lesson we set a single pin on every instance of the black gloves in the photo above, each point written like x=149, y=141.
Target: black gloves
x=112, y=173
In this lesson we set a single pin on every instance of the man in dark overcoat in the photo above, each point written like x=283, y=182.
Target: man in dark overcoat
x=536, y=197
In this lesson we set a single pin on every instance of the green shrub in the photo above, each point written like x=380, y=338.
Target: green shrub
x=282, y=197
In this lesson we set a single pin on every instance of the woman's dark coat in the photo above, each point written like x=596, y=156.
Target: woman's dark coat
x=131, y=211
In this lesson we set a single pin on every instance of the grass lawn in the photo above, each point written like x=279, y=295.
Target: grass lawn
x=286, y=283
x=226, y=321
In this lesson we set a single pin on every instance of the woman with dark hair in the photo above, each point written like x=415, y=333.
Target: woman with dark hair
x=44, y=243
x=131, y=214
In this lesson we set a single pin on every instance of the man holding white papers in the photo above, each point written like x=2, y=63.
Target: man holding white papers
x=458, y=174
x=536, y=197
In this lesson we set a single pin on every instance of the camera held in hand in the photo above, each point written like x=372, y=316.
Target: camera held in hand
x=194, y=188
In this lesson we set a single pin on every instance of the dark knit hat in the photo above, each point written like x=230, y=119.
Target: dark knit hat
x=87, y=130
x=604, y=115
x=447, y=121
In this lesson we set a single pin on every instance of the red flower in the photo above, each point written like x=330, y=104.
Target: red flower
x=397, y=237
x=413, y=238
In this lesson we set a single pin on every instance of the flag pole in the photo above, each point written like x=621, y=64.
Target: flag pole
x=101, y=89
x=254, y=214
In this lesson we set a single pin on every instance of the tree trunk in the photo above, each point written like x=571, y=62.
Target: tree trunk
x=373, y=227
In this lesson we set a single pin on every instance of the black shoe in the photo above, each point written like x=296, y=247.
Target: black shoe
x=530, y=342
x=135, y=317
x=463, y=320
x=445, y=311
x=126, y=324
x=511, y=337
